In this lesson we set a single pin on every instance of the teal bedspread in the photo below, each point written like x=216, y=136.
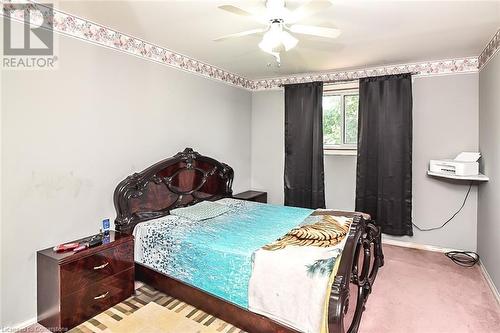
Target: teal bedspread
x=215, y=255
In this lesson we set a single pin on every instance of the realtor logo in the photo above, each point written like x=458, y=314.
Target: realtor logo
x=28, y=36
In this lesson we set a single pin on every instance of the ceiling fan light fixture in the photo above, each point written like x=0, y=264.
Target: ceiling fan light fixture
x=265, y=47
x=289, y=42
x=271, y=40
x=281, y=25
x=276, y=40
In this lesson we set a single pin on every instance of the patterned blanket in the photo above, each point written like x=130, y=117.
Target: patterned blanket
x=298, y=269
x=224, y=256
x=325, y=233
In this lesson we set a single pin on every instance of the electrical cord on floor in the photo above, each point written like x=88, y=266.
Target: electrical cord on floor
x=462, y=258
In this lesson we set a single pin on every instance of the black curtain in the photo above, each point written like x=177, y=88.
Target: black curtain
x=383, y=179
x=304, y=173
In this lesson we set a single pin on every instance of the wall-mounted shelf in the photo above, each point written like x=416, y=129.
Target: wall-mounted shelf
x=477, y=178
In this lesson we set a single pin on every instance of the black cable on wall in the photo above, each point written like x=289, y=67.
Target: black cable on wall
x=462, y=258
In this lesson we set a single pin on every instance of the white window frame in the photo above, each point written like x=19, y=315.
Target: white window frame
x=343, y=148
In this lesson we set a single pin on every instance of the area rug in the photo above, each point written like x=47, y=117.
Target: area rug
x=151, y=311
x=156, y=318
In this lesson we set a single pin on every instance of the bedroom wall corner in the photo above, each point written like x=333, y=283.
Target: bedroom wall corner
x=488, y=235
x=97, y=118
x=268, y=155
x=267, y=147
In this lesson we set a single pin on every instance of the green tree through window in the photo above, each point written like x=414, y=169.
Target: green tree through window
x=351, y=119
x=332, y=120
x=340, y=119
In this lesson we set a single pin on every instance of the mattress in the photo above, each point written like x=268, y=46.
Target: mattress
x=215, y=255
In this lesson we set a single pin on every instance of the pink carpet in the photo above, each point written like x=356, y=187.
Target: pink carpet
x=425, y=292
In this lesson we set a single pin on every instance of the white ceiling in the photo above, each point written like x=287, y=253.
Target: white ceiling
x=373, y=32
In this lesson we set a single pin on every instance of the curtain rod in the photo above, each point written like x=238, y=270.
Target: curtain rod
x=352, y=80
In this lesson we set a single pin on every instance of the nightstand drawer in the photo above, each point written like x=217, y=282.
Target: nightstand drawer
x=87, y=302
x=89, y=270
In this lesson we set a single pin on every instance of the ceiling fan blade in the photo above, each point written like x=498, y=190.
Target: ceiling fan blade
x=241, y=34
x=276, y=8
x=306, y=10
x=315, y=31
x=235, y=10
x=242, y=12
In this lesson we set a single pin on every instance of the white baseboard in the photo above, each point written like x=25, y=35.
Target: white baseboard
x=19, y=326
x=416, y=245
x=489, y=280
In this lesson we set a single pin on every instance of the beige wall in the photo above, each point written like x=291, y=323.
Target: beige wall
x=70, y=135
x=445, y=115
x=488, y=235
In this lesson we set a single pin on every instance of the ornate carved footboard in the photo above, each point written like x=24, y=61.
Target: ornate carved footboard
x=188, y=178
x=361, y=259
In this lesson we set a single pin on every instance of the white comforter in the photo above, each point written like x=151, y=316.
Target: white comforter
x=290, y=285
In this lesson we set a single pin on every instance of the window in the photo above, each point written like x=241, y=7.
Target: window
x=340, y=119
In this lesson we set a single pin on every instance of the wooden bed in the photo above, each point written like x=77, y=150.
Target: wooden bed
x=188, y=178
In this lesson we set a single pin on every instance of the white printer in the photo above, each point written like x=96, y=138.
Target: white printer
x=465, y=164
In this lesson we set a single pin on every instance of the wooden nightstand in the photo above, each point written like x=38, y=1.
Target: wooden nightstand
x=256, y=196
x=73, y=287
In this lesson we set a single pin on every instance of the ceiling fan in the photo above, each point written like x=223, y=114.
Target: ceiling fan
x=279, y=23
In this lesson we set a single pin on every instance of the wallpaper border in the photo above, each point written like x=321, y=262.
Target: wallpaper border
x=83, y=29
x=438, y=67
x=98, y=34
x=490, y=50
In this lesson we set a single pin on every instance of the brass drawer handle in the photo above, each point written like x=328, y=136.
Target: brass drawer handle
x=102, y=295
x=101, y=266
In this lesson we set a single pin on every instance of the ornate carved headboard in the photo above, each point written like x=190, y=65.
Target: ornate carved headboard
x=178, y=181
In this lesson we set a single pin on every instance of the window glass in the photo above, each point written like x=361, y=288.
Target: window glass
x=351, y=119
x=340, y=119
x=332, y=120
